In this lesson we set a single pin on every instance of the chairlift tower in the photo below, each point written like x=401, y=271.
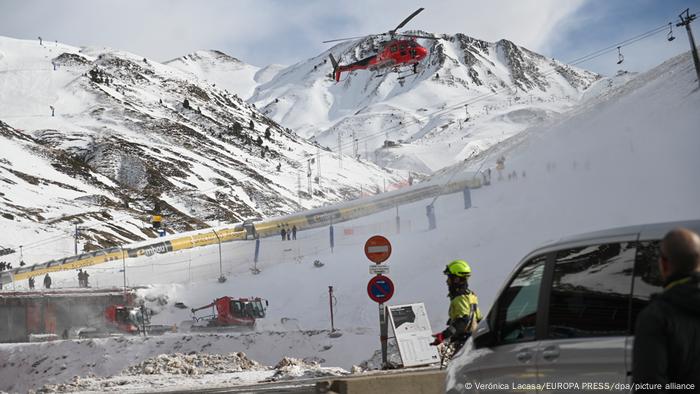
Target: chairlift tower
x=308, y=176
x=686, y=18
x=340, y=150
x=318, y=166
x=354, y=145
x=76, y=236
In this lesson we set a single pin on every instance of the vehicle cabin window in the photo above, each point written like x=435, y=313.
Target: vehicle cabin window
x=236, y=308
x=517, y=306
x=647, y=278
x=393, y=48
x=591, y=290
x=122, y=315
x=249, y=312
x=258, y=308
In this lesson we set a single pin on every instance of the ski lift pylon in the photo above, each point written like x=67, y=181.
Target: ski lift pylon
x=620, y=58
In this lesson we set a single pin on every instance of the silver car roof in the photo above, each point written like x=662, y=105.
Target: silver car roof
x=647, y=231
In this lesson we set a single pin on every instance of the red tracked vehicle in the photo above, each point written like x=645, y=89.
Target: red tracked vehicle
x=229, y=313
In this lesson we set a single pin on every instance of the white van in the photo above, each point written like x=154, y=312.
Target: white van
x=564, y=321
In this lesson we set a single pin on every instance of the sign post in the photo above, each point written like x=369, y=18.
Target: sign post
x=380, y=288
x=383, y=334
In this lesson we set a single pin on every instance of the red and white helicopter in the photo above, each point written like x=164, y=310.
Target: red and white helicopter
x=393, y=53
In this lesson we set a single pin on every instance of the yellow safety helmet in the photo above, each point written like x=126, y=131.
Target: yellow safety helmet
x=458, y=268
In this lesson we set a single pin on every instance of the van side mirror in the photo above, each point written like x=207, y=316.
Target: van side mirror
x=484, y=337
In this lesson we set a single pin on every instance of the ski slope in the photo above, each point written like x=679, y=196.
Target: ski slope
x=624, y=158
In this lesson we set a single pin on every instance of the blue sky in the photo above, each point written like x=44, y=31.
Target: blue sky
x=262, y=32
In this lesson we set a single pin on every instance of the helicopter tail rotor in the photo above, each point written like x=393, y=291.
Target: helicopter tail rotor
x=336, y=67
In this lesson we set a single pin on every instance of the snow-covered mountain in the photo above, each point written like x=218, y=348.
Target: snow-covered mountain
x=101, y=137
x=225, y=71
x=467, y=95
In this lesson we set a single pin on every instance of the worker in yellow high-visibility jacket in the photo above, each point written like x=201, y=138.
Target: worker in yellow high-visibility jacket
x=464, y=310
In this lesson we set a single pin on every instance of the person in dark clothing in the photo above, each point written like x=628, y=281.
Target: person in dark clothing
x=666, y=355
x=85, y=278
x=80, y=278
x=289, y=234
x=294, y=232
x=31, y=282
x=47, y=281
x=283, y=232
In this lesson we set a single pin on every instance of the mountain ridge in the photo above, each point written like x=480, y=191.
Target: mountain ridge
x=139, y=138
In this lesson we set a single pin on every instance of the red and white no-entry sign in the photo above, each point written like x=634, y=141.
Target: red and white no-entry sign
x=377, y=249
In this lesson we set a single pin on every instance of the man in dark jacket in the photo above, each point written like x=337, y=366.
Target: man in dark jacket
x=667, y=335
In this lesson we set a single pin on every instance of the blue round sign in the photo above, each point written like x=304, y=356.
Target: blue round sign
x=380, y=289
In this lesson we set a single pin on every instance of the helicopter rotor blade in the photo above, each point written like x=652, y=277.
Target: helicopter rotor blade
x=402, y=24
x=418, y=36
x=344, y=39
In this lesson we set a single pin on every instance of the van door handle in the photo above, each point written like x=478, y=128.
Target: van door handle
x=524, y=356
x=550, y=353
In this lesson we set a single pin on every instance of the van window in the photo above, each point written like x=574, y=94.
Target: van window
x=590, y=291
x=517, y=306
x=647, y=278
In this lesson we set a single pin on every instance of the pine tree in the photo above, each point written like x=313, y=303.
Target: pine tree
x=252, y=125
x=259, y=141
x=268, y=134
x=186, y=104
